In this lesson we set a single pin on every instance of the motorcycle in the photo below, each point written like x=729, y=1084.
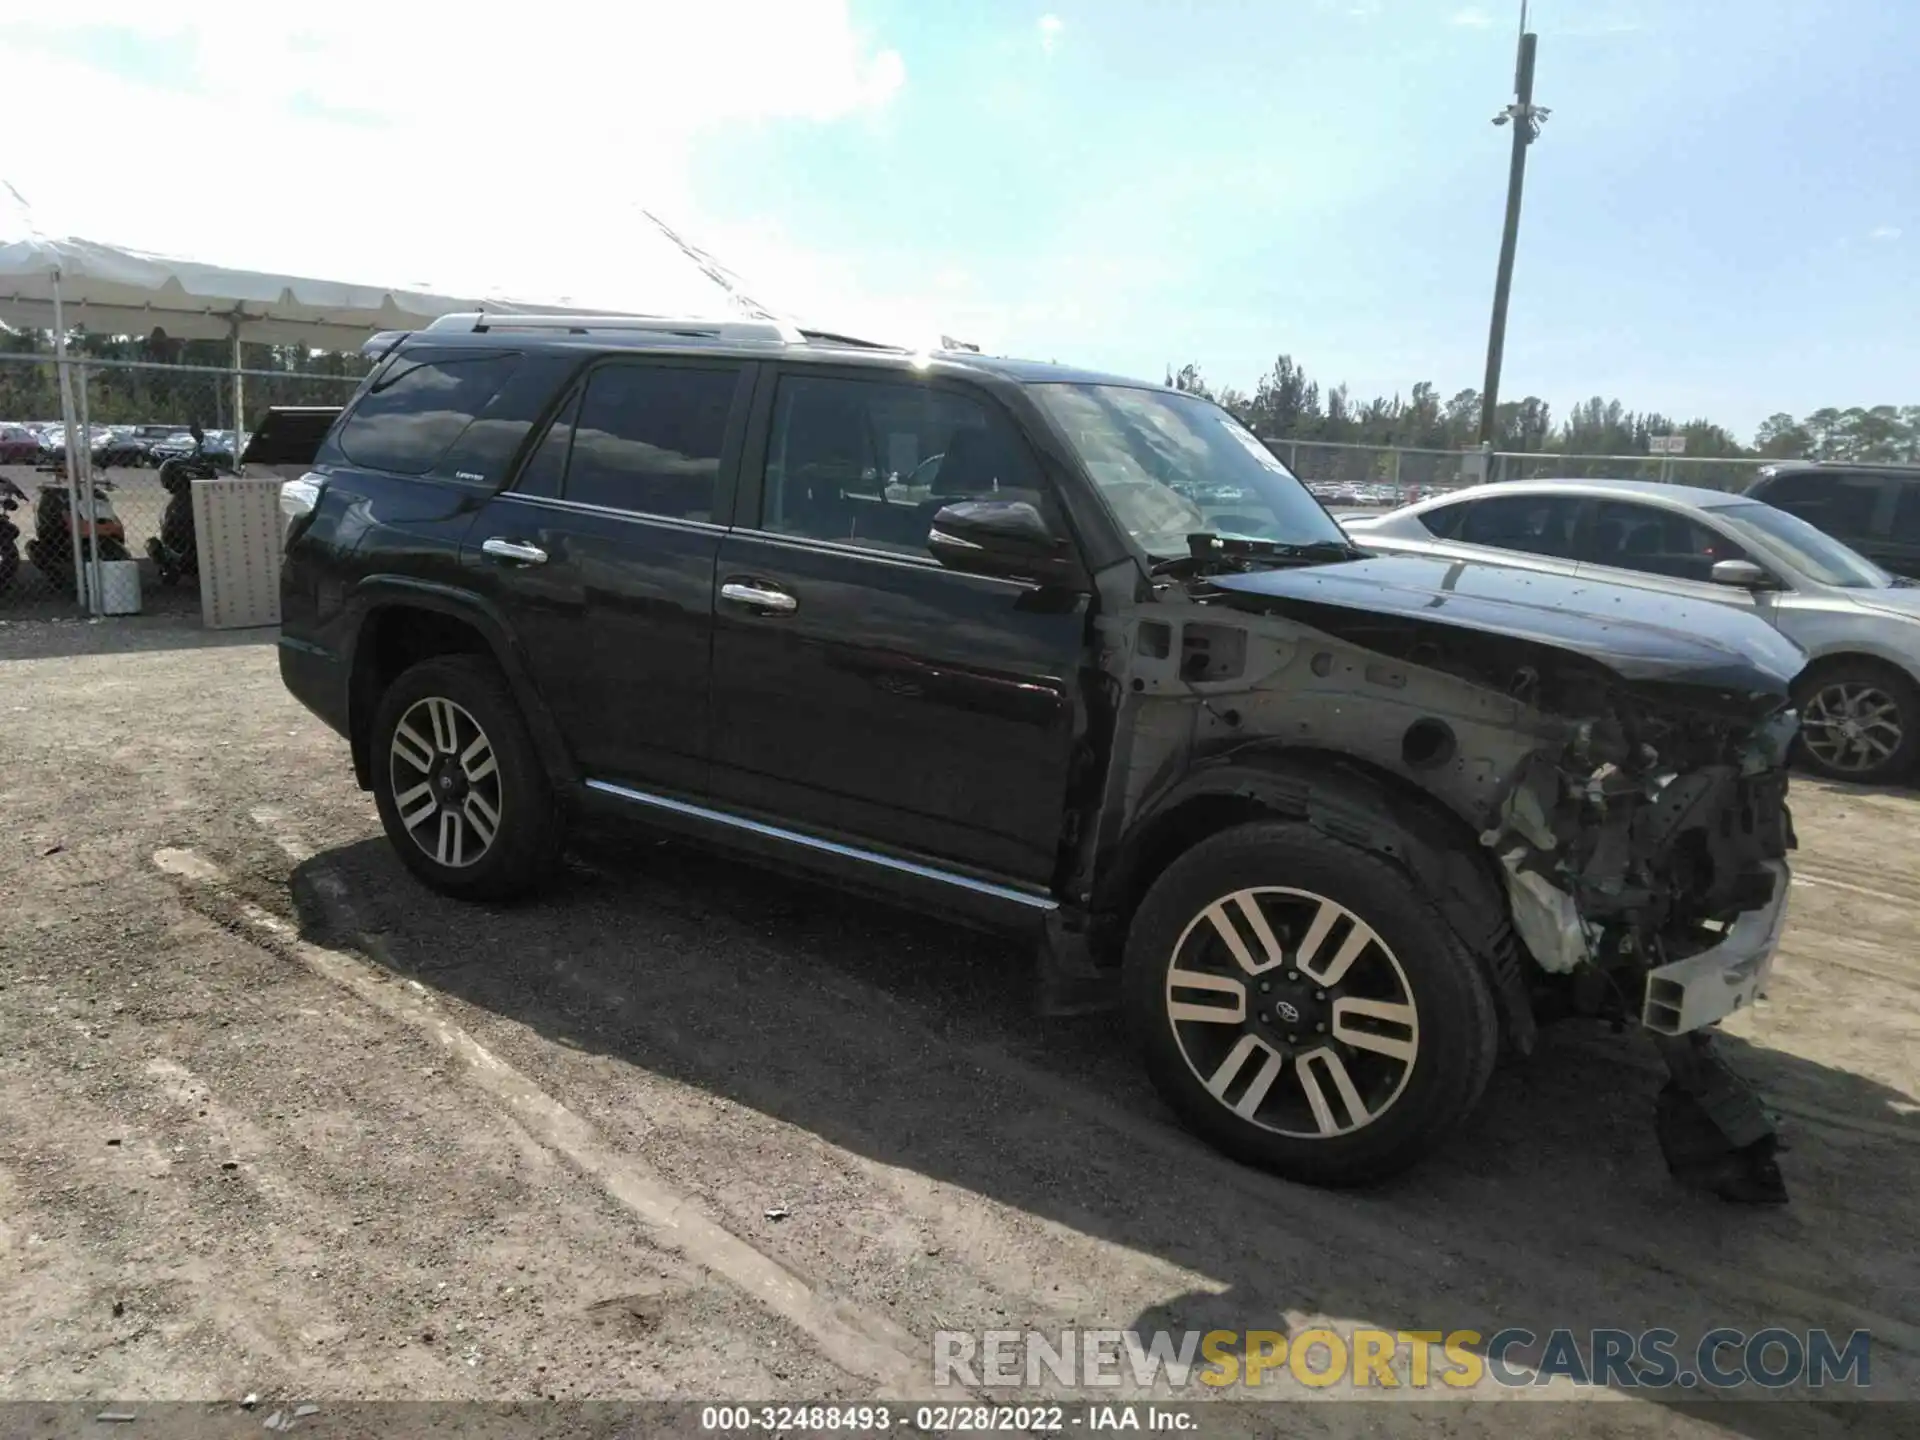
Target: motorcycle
x=12, y=497
x=55, y=526
x=175, y=551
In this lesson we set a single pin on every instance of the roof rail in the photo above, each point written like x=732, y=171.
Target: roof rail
x=690, y=327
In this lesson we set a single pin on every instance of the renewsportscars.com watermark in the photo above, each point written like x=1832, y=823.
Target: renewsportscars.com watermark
x=1378, y=1360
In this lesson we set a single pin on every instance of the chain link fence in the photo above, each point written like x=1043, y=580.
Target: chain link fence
x=1707, y=474
x=130, y=418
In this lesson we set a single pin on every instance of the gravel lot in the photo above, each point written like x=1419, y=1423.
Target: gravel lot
x=275, y=1119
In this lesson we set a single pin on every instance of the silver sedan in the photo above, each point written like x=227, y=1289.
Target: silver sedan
x=1859, y=696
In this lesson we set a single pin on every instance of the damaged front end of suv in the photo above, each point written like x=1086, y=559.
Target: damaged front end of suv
x=1592, y=791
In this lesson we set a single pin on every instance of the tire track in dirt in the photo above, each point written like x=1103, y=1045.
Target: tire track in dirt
x=864, y=1345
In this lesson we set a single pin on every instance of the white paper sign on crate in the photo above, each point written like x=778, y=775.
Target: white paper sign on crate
x=237, y=527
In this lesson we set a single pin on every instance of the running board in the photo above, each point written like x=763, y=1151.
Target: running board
x=826, y=847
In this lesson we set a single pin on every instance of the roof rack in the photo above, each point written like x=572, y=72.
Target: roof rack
x=688, y=327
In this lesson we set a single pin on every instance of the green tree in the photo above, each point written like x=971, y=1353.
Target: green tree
x=1781, y=437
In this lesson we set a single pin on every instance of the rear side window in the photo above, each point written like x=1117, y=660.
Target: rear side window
x=410, y=416
x=647, y=438
x=1532, y=524
x=1840, y=504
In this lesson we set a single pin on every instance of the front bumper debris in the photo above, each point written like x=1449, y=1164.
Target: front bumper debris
x=1703, y=989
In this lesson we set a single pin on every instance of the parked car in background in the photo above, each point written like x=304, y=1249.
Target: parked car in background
x=119, y=447
x=18, y=445
x=215, y=445
x=1874, y=509
x=1859, y=696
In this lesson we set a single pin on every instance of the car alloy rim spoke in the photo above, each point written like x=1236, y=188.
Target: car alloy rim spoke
x=1292, y=1012
x=1354, y=1112
x=452, y=845
x=1224, y=924
x=1397, y=1042
x=416, y=751
x=416, y=805
x=1239, y=1061
x=446, y=782
x=481, y=816
x=477, y=759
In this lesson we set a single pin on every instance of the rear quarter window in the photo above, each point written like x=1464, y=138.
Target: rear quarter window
x=414, y=411
x=1841, y=504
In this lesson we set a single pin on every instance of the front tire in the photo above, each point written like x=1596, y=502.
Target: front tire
x=1304, y=1008
x=459, y=784
x=1859, y=721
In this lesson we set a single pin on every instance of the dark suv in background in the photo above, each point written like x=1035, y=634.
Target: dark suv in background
x=1874, y=509
x=1056, y=653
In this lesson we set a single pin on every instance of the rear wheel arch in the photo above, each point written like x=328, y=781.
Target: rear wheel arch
x=398, y=631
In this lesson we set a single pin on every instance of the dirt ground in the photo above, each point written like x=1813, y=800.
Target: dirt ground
x=276, y=1120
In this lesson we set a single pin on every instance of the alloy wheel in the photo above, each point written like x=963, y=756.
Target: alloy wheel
x=446, y=782
x=1292, y=1012
x=1851, y=726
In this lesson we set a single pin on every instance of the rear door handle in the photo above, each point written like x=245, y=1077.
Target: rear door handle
x=758, y=595
x=517, y=551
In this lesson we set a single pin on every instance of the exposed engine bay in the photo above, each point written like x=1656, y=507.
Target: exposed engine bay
x=1626, y=780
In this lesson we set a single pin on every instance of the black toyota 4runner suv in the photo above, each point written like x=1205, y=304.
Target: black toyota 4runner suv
x=1332, y=829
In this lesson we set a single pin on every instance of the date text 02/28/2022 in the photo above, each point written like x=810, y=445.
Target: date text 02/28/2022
x=873, y=1419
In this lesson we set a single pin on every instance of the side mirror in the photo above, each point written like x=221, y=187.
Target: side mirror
x=998, y=537
x=1743, y=573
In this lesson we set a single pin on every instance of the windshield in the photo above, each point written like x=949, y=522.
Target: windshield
x=1171, y=464
x=1814, y=553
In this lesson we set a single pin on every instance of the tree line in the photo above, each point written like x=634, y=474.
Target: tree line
x=1288, y=405
x=120, y=394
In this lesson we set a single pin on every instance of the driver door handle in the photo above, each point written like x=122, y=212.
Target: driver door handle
x=515, y=550
x=759, y=595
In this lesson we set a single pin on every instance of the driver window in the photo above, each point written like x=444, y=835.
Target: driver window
x=870, y=463
x=1657, y=542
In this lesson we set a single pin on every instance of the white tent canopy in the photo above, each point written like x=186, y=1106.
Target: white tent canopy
x=110, y=290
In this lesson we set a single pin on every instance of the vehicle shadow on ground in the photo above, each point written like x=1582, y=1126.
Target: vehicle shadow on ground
x=62, y=632
x=905, y=1040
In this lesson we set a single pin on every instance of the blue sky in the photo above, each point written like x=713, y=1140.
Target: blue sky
x=1721, y=216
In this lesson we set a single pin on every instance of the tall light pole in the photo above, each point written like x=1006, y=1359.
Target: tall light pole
x=1526, y=119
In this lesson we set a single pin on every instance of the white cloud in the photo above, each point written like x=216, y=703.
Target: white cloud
x=1884, y=232
x=485, y=149
x=1050, y=27
x=1473, y=18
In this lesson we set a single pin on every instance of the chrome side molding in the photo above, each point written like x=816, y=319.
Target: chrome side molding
x=830, y=847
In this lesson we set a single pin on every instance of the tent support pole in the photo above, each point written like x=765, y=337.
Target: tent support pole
x=96, y=601
x=73, y=439
x=239, y=395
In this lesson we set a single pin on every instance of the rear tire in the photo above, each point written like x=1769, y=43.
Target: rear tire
x=1859, y=721
x=460, y=786
x=1336, y=1036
